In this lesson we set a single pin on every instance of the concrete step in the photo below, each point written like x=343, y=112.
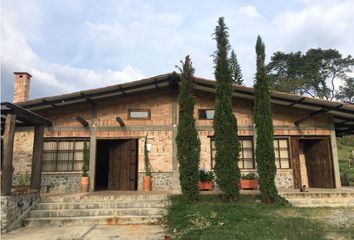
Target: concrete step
x=320, y=202
x=318, y=195
x=97, y=212
x=102, y=198
x=320, y=199
x=97, y=205
x=99, y=220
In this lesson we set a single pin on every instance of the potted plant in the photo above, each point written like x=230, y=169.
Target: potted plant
x=249, y=181
x=206, y=180
x=23, y=183
x=147, y=177
x=85, y=181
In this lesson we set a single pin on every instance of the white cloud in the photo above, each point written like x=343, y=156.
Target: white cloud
x=326, y=25
x=49, y=78
x=249, y=11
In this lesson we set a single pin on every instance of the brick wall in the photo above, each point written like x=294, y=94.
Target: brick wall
x=159, y=127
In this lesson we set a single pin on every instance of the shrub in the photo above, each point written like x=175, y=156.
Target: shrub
x=86, y=159
x=206, y=176
x=188, y=143
x=249, y=176
x=225, y=124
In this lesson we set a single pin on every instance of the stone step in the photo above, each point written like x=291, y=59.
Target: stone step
x=97, y=212
x=103, y=198
x=320, y=199
x=99, y=220
x=317, y=195
x=97, y=205
x=329, y=204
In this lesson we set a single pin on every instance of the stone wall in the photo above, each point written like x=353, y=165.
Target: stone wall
x=65, y=182
x=283, y=177
x=15, y=208
x=159, y=181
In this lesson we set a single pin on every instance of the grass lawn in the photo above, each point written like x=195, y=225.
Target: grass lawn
x=211, y=218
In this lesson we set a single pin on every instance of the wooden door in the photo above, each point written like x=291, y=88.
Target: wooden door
x=319, y=163
x=122, y=173
x=296, y=162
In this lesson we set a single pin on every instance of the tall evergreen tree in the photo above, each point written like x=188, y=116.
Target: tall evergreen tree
x=188, y=143
x=265, y=156
x=237, y=77
x=225, y=125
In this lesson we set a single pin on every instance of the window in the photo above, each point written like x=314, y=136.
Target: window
x=246, y=154
x=246, y=160
x=281, y=149
x=206, y=114
x=143, y=114
x=63, y=155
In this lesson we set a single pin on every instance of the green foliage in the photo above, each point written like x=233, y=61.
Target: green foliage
x=285, y=72
x=248, y=219
x=23, y=179
x=225, y=125
x=206, y=176
x=264, y=126
x=146, y=159
x=312, y=73
x=249, y=176
x=235, y=69
x=346, y=159
x=188, y=143
x=346, y=92
x=86, y=159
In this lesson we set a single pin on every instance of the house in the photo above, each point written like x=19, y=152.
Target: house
x=114, y=120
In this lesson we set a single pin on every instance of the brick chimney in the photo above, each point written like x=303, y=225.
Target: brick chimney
x=22, y=86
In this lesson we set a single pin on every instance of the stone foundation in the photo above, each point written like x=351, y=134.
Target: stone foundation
x=15, y=208
x=284, y=179
x=65, y=182
x=159, y=181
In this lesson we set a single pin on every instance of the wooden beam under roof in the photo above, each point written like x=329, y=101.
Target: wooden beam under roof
x=83, y=122
x=322, y=110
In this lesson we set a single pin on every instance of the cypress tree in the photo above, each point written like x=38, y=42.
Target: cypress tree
x=235, y=69
x=225, y=124
x=265, y=156
x=188, y=143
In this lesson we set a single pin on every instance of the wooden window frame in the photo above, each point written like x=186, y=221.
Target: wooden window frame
x=205, y=109
x=139, y=110
x=72, y=151
x=242, y=153
x=277, y=152
x=242, y=159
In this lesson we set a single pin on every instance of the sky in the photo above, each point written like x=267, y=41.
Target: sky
x=74, y=45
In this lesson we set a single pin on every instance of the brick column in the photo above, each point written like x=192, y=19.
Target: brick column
x=21, y=87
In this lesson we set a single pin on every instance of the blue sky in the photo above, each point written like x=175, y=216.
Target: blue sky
x=72, y=45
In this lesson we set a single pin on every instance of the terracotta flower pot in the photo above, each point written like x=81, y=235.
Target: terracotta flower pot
x=248, y=184
x=21, y=189
x=147, y=184
x=84, y=183
x=206, y=186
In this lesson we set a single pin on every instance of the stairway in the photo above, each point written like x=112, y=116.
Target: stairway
x=320, y=198
x=108, y=209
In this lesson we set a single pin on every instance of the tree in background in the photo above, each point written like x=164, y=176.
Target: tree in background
x=225, y=125
x=312, y=73
x=265, y=156
x=235, y=69
x=188, y=143
x=346, y=92
x=285, y=72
